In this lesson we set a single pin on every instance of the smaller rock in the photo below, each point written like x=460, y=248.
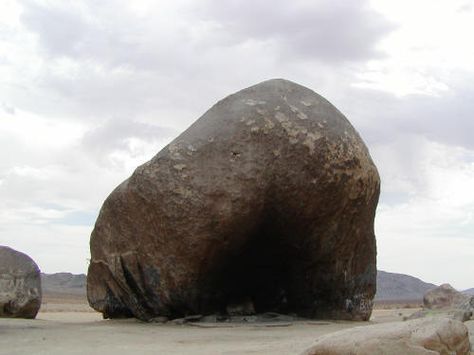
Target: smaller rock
x=442, y=297
x=178, y=321
x=470, y=326
x=420, y=336
x=468, y=304
x=20, y=285
x=461, y=315
x=193, y=317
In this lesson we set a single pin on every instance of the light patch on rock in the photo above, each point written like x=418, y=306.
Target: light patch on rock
x=252, y=102
x=310, y=141
x=174, y=151
x=301, y=115
x=179, y=166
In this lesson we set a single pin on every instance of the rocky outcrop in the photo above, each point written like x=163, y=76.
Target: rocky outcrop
x=417, y=337
x=467, y=304
x=268, y=198
x=444, y=301
x=443, y=297
x=20, y=285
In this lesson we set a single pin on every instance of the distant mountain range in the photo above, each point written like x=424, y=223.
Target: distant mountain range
x=63, y=283
x=469, y=292
x=400, y=287
x=390, y=286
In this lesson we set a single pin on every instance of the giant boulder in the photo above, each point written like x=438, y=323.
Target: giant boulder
x=20, y=285
x=268, y=198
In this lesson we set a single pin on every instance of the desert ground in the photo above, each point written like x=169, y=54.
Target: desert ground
x=66, y=325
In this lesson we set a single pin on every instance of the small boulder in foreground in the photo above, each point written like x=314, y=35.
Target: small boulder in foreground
x=417, y=337
x=20, y=285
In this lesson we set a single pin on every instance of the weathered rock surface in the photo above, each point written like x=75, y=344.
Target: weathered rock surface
x=470, y=326
x=444, y=301
x=270, y=197
x=456, y=314
x=20, y=285
x=416, y=337
x=443, y=297
x=467, y=304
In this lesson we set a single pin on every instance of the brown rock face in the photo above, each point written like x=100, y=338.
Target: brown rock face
x=268, y=198
x=417, y=337
x=20, y=285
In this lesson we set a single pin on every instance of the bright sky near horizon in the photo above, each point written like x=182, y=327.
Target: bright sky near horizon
x=91, y=89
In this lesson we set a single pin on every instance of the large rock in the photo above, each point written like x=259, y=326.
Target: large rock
x=443, y=297
x=416, y=337
x=467, y=304
x=445, y=301
x=20, y=285
x=270, y=197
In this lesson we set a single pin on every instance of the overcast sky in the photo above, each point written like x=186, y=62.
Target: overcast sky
x=91, y=89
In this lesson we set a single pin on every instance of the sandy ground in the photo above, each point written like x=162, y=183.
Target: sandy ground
x=70, y=327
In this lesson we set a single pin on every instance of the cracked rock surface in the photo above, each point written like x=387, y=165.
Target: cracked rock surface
x=20, y=285
x=267, y=200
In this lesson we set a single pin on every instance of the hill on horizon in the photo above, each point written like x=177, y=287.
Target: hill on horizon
x=390, y=286
x=63, y=283
x=400, y=287
x=469, y=291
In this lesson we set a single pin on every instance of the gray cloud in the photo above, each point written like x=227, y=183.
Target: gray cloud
x=329, y=31
x=61, y=30
x=7, y=108
x=114, y=135
x=384, y=117
x=182, y=59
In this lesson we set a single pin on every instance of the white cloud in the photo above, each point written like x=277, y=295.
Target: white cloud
x=432, y=230
x=424, y=49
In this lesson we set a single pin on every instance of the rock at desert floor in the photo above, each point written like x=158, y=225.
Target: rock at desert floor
x=20, y=285
x=442, y=297
x=415, y=337
x=268, y=199
x=444, y=301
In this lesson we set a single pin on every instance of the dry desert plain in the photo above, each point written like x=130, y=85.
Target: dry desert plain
x=66, y=325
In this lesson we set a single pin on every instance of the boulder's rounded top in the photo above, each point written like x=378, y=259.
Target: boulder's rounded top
x=20, y=285
x=11, y=257
x=278, y=85
x=279, y=82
